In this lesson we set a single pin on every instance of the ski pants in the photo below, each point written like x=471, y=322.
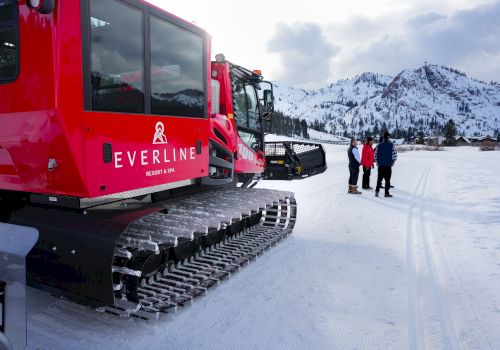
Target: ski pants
x=367, y=171
x=384, y=173
x=353, y=175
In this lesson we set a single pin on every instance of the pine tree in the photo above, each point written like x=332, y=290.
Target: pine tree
x=384, y=128
x=450, y=132
x=421, y=140
x=376, y=130
x=297, y=129
x=303, y=125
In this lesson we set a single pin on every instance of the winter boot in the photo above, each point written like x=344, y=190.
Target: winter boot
x=376, y=193
x=350, y=189
x=355, y=190
x=388, y=195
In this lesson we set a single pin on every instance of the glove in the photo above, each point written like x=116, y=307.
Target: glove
x=373, y=166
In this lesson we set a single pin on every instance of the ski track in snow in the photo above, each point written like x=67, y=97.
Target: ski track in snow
x=443, y=316
x=415, y=326
x=425, y=313
x=417, y=271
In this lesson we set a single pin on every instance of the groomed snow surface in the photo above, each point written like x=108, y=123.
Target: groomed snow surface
x=417, y=271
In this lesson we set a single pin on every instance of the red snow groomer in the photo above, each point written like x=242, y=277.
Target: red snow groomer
x=131, y=152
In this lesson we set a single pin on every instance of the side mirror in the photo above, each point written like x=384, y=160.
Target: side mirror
x=269, y=99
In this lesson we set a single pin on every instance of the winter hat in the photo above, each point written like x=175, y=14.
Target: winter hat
x=386, y=136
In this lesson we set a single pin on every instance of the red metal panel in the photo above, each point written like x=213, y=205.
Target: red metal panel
x=147, y=151
x=248, y=161
x=31, y=139
x=33, y=127
x=224, y=125
x=42, y=118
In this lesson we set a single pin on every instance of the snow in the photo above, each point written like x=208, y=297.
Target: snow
x=416, y=271
x=315, y=136
x=323, y=136
x=275, y=138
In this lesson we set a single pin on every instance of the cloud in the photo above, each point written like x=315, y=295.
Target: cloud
x=466, y=39
x=424, y=19
x=328, y=40
x=305, y=54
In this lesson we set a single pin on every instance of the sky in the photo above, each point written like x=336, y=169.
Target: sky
x=316, y=42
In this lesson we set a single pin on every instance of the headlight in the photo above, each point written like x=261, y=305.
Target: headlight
x=42, y=6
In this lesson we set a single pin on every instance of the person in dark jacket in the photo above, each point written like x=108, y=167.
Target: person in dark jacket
x=380, y=140
x=367, y=161
x=354, y=162
x=385, y=156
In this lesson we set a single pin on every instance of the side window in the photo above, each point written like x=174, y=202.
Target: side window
x=252, y=107
x=9, y=43
x=116, y=47
x=245, y=105
x=239, y=103
x=177, y=80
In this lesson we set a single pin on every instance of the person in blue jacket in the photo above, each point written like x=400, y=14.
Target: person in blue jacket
x=385, y=156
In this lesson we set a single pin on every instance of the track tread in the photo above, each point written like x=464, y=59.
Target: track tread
x=189, y=218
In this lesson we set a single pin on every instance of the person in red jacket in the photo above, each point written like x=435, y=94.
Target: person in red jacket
x=367, y=161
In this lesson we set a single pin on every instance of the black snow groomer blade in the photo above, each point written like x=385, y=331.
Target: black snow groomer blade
x=287, y=160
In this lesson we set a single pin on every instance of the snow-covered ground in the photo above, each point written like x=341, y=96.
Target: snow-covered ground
x=324, y=136
x=315, y=136
x=417, y=271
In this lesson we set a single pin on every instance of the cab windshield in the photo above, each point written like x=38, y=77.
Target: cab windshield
x=9, y=46
x=245, y=105
x=247, y=109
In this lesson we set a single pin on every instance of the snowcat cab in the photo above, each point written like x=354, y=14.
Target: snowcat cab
x=236, y=105
x=240, y=103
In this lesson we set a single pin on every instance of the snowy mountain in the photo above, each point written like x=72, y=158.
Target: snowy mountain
x=416, y=99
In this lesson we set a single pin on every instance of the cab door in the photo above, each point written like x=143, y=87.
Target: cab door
x=250, y=139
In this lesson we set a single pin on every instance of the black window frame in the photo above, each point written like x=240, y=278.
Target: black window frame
x=258, y=132
x=15, y=26
x=143, y=82
x=148, y=11
x=246, y=83
x=257, y=105
x=204, y=72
